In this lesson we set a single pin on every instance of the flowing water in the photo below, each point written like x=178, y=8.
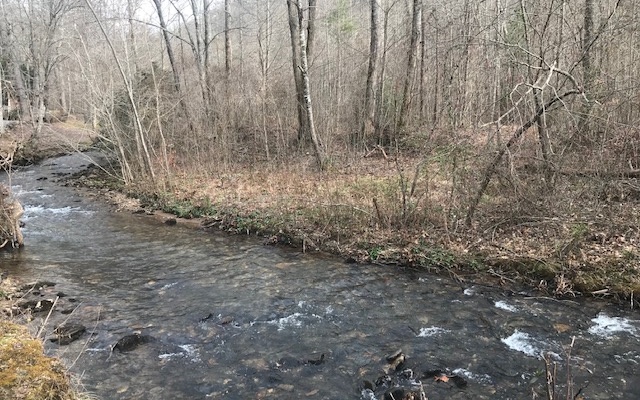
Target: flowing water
x=229, y=318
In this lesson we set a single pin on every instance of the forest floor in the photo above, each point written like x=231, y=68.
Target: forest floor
x=580, y=239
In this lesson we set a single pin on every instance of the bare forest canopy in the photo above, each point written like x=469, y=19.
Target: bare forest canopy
x=544, y=86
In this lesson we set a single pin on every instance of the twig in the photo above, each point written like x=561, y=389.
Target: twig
x=492, y=272
x=569, y=384
x=378, y=212
x=84, y=346
x=44, y=323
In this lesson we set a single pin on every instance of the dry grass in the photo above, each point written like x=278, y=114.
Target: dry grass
x=56, y=138
x=571, y=241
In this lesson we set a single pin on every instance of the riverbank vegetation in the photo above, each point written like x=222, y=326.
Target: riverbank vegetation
x=490, y=140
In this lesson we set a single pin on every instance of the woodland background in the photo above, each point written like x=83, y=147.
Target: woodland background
x=499, y=117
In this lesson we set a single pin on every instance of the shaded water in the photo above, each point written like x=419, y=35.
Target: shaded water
x=233, y=319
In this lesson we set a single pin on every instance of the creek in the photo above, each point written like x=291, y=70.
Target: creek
x=227, y=317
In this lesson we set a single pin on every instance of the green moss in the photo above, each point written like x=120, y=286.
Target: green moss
x=25, y=372
x=180, y=207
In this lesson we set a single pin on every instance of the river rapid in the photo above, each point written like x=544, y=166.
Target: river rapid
x=226, y=317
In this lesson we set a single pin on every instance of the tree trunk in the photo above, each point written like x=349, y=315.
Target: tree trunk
x=311, y=28
x=366, y=125
x=411, y=64
x=541, y=123
x=143, y=154
x=227, y=38
x=587, y=67
x=303, y=67
x=169, y=47
x=21, y=92
x=379, y=123
x=174, y=67
x=263, y=57
x=1, y=95
x=423, y=65
x=295, y=29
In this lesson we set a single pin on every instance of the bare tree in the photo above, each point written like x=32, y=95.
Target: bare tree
x=411, y=63
x=587, y=64
x=294, y=29
x=366, y=124
x=227, y=38
x=300, y=60
x=38, y=53
x=143, y=153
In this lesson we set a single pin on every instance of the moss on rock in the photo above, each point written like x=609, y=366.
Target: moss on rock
x=25, y=372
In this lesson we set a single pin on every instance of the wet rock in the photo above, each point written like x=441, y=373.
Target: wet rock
x=131, y=342
x=208, y=317
x=317, y=361
x=37, y=305
x=395, y=394
x=288, y=362
x=68, y=333
x=459, y=381
x=396, y=360
x=446, y=376
x=368, y=385
x=39, y=285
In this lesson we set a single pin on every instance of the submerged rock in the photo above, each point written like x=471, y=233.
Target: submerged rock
x=39, y=285
x=37, y=305
x=131, y=342
x=68, y=333
x=288, y=362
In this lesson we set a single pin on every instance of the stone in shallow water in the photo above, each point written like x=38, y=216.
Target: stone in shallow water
x=131, y=342
x=67, y=333
x=37, y=305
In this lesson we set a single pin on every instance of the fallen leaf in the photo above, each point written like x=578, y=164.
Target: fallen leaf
x=561, y=328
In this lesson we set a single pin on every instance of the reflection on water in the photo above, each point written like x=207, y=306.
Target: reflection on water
x=229, y=318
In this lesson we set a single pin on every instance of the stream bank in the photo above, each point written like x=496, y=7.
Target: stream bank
x=357, y=209
x=170, y=312
x=584, y=256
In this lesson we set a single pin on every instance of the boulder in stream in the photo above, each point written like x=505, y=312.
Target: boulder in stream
x=131, y=342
